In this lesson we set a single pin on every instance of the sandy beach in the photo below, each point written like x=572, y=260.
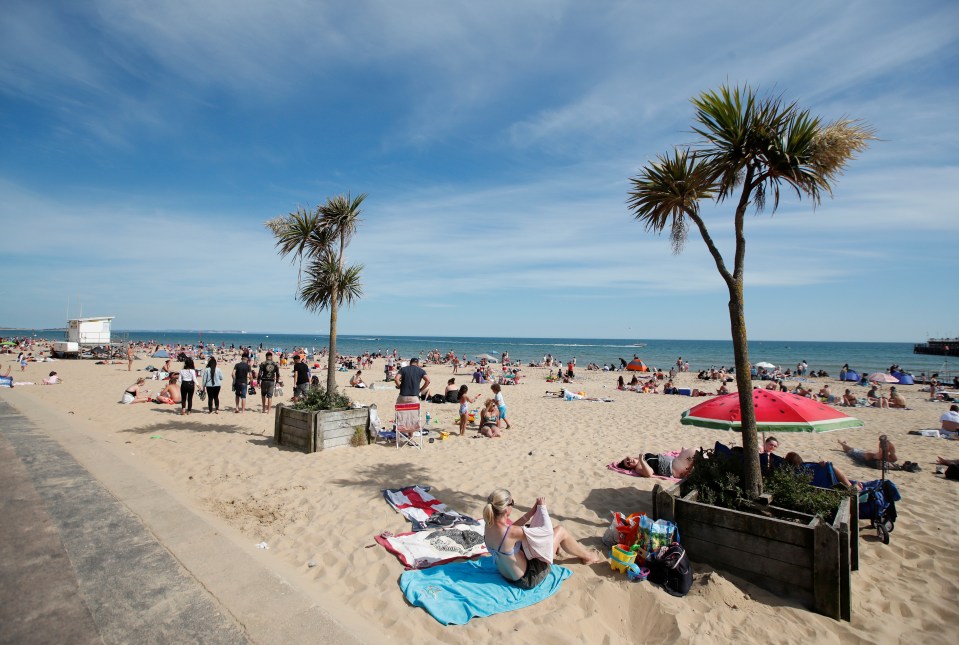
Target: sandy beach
x=328, y=506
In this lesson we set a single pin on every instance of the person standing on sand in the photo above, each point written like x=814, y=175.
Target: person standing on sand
x=241, y=379
x=408, y=380
x=187, y=385
x=301, y=378
x=464, y=401
x=130, y=357
x=500, y=402
x=210, y=381
x=268, y=375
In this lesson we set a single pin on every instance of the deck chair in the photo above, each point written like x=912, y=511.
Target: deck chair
x=408, y=428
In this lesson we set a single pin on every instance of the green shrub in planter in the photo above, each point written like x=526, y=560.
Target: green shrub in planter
x=719, y=477
x=317, y=399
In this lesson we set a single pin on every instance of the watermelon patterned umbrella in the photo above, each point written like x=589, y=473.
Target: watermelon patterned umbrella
x=775, y=412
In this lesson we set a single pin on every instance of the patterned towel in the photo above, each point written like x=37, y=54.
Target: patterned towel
x=424, y=549
x=424, y=511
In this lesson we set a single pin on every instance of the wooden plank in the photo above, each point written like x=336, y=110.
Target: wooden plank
x=854, y=534
x=845, y=584
x=323, y=425
x=825, y=567
x=277, y=416
x=754, y=568
x=347, y=415
x=766, y=527
x=325, y=443
x=663, y=504
x=299, y=424
x=789, y=514
x=748, y=545
x=299, y=415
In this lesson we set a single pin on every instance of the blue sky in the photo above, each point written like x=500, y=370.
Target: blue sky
x=144, y=143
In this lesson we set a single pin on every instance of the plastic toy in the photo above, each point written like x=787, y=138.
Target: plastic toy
x=624, y=560
x=621, y=558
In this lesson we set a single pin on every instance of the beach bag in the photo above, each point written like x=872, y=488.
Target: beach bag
x=670, y=567
x=202, y=395
x=438, y=398
x=252, y=390
x=662, y=533
x=278, y=391
x=643, y=541
x=622, y=529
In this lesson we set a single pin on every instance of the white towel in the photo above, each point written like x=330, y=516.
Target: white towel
x=538, y=540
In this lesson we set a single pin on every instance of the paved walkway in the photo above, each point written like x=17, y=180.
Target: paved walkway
x=78, y=566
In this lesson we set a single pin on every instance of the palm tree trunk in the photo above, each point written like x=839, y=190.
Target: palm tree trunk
x=331, y=359
x=753, y=484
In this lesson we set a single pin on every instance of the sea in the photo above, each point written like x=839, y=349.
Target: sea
x=701, y=354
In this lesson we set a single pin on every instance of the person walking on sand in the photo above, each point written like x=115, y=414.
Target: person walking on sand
x=187, y=385
x=268, y=375
x=241, y=379
x=301, y=378
x=510, y=542
x=210, y=382
x=500, y=402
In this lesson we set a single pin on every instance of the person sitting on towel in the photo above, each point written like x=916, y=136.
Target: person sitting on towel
x=662, y=465
x=511, y=544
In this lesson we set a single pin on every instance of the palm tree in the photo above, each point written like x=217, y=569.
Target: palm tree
x=759, y=145
x=321, y=237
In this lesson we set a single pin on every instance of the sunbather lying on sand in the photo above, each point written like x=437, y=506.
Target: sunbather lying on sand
x=505, y=542
x=663, y=465
x=794, y=460
x=869, y=457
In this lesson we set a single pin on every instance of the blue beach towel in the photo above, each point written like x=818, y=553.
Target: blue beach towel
x=456, y=592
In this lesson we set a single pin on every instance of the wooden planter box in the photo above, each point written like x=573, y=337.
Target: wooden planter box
x=808, y=559
x=313, y=431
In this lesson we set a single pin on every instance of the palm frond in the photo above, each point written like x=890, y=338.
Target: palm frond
x=668, y=189
x=341, y=217
x=292, y=233
x=326, y=285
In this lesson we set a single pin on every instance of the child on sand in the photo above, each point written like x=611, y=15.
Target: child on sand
x=464, y=402
x=500, y=402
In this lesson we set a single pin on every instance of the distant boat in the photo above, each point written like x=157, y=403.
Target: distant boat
x=637, y=345
x=938, y=347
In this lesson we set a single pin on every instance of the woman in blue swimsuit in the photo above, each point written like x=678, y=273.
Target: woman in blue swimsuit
x=511, y=560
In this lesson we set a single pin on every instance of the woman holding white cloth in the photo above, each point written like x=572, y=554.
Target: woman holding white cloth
x=519, y=549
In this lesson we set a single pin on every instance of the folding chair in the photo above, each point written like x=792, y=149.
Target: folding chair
x=376, y=431
x=408, y=428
